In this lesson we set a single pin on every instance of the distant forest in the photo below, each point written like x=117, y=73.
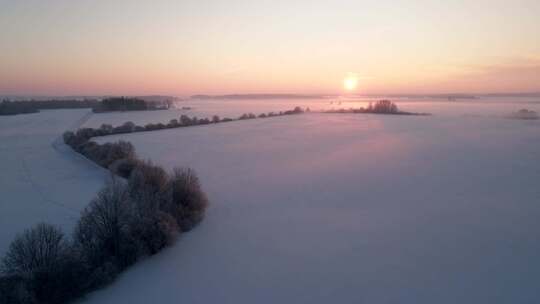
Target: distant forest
x=129, y=104
x=8, y=107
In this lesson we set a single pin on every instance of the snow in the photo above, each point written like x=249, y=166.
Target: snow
x=41, y=180
x=314, y=208
x=345, y=208
x=490, y=107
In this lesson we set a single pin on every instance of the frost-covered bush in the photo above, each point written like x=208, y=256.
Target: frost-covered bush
x=127, y=127
x=102, y=234
x=124, y=167
x=147, y=180
x=41, y=267
x=185, y=120
x=173, y=123
x=150, y=227
x=41, y=248
x=105, y=155
x=106, y=129
x=186, y=201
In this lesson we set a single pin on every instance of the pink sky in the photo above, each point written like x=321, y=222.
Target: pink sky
x=219, y=47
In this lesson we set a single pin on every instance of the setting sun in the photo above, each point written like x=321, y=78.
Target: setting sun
x=350, y=83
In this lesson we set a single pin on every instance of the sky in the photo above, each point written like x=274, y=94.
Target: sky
x=63, y=47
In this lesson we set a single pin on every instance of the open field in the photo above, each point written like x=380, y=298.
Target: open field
x=41, y=179
x=313, y=208
x=350, y=208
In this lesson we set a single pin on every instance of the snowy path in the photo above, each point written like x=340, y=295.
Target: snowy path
x=350, y=209
x=42, y=180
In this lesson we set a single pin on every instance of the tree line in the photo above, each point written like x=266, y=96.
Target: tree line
x=79, y=140
x=128, y=104
x=128, y=220
x=8, y=107
x=380, y=107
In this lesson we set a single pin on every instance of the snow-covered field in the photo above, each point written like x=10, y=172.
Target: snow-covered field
x=344, y=208
x=41, y=180
x=315, y=208
x=486, y=107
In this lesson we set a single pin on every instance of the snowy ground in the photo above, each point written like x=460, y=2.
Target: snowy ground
x=344, y=208
x=316, y=208
x=41, y=180
x=486, y=107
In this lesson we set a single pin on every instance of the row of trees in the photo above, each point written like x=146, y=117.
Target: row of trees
x=130, y=104
x=126, y=221
x=379, y=107
x=12, y=108
x=83, y=135
x=8, y=107
x=122, y=104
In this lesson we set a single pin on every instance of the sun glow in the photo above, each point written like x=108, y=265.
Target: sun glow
x=350, y=83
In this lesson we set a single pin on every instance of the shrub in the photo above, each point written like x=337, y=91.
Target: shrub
x=124, y=167
x=147, y=180
x=215, y=119
x=185, y=120
x=118, y=150
x=187, y=202
x=105, y=155
x=152, y=228
x=127, y=127
x=102, y=234
x=41, y=248
x=42, y=266
x=106, y=129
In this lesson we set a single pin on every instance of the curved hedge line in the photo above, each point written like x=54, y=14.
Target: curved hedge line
x=127, y=221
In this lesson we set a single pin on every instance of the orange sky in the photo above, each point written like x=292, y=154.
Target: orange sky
x=219, y=47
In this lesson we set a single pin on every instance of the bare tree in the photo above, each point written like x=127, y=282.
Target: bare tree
x=102, y=233
x=41, y=248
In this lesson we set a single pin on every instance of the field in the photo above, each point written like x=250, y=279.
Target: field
x=315, y=208
x=41, y=179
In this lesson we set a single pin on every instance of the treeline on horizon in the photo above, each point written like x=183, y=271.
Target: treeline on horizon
x=8, y=107
x=380, y=107
x=129, y=104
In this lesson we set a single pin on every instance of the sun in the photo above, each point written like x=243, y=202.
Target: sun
x=350, y=83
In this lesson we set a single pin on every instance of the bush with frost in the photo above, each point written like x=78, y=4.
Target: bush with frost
x=41, y=266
